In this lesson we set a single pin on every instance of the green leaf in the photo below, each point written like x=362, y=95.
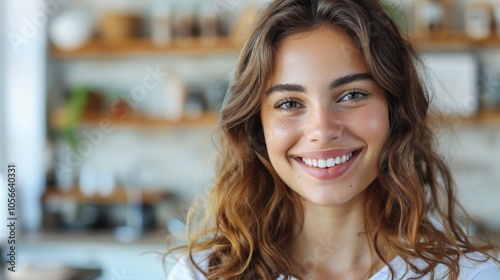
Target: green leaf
x=76, y=104
x=394, y=11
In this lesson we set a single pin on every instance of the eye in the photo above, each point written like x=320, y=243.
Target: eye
x=288, y=104
x=353, y=96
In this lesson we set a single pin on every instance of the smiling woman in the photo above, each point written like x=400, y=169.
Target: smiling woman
x=324, y=119
x=326, y=168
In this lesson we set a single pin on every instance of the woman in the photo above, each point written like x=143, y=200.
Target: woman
x=326, y=168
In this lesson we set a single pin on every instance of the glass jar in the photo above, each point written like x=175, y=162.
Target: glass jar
x=478, y=20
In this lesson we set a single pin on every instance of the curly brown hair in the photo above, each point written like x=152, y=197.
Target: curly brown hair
x=250, y=213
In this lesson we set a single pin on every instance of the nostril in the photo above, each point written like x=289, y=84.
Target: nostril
x=324, y=131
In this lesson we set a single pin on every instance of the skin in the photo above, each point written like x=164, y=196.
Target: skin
x=303, y=115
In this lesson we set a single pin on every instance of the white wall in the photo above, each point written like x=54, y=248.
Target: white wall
x=3, y=230
x=25, y=104
x=472, y=152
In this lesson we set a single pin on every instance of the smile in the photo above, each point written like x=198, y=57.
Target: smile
x=328, y=165
x=328, y=162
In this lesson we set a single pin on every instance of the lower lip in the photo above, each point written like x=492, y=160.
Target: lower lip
x=331, y=172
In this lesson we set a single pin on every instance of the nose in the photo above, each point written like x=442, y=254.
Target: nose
x=323, y=125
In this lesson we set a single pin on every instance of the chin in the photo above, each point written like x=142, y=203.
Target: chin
x=332, y=199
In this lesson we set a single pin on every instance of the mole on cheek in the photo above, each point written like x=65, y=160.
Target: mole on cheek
x=280, y=129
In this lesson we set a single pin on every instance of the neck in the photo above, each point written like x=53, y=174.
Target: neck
x=333, y=242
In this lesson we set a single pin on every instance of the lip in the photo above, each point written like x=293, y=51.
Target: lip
x=331, y=172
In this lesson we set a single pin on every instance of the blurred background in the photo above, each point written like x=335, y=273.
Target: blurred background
x=107, y=110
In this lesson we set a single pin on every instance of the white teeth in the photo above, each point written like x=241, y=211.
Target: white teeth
x=337, y=160
x=326, y=163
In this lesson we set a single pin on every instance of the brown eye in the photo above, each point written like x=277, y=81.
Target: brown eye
x=288, y=104
x=353, y=96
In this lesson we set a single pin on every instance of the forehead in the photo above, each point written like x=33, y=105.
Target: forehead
x=322, y=51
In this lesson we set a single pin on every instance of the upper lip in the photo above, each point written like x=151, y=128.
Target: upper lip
x=327, y=153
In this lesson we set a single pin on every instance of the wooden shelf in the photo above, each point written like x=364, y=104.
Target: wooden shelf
x=58, y=119
x=453, y=42
x=488, y=117
x=141, y=46
x=94, y=238
x=118, y=196
x=224, y=45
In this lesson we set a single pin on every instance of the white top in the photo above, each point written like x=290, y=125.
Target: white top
x=469, y=270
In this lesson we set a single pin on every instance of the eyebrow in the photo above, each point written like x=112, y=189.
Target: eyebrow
x=344, y=80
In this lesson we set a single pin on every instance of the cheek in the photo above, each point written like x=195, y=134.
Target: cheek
x=378, y=120
x=279, y=134
x=375, y=125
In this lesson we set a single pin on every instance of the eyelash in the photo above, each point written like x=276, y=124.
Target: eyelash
x=287, y=101
x=362, y=96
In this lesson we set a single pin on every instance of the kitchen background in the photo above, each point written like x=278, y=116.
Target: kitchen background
x=107, y=110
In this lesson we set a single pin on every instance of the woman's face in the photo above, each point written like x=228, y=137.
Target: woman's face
x=324, y=118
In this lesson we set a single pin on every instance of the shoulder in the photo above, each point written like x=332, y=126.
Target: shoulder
x=475, y=266
x=478, y=267
x=184, y=269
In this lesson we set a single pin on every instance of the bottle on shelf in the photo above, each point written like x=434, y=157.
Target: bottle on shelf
x=184, y=22
x=175, y=97
x=161, y=23
x=207, y=22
